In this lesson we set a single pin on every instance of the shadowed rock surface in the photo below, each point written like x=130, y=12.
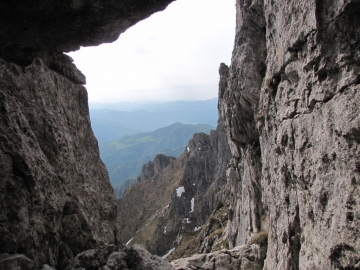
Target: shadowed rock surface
x=55, y=194
x=56, y=199
x=27, y=27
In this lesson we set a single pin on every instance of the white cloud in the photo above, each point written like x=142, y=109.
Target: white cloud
x=174, y=54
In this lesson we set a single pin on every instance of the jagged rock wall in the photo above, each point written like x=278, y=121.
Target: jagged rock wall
x=290, y=101
x=179, y=199
x=55, y=195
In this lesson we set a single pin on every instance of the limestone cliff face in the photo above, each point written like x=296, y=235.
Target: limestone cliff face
x=55, y=195
x=290, y=100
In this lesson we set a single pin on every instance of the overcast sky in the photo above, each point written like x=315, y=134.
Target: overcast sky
x=173, y=55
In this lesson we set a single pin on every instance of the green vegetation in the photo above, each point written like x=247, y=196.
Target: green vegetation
x=260, y=239
x=107, y=131
x=219, y=205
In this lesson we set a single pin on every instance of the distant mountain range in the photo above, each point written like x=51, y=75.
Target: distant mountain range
x=112, y=124
x=158, y=106
x=124, y=157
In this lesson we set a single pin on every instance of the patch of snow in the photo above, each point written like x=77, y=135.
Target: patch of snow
x=164, y=229
x=199, y=148
x=179, y=191
x=192, y=205
x=197, y=228
x=128, y=242
x=187, y=220
x=194, y=184
x=168, y=253
x=188, y=149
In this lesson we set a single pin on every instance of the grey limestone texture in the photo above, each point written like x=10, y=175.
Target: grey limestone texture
x=294, y=127
x=289, y=103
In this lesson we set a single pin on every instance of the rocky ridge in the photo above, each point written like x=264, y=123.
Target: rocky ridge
x=189, y=191
x=151, y=168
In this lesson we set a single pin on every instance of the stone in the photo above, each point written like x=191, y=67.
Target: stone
x=15, y=262
x=111, y=258
x=55, y=193
x=47, y=267
x=247, y=257
x=295, y=141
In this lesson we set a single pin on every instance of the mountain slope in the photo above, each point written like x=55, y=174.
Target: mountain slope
x=124, y=158
x=107, y=131
x=189, y=188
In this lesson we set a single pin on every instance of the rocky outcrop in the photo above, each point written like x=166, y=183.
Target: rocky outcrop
x=55, y=194
x=290, y=104
x=247, y=257
x=151, y=168
x=56, y=199
x=210, y=237
x=179, y=199
x=112, y=258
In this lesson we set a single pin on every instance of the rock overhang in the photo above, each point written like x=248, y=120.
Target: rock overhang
x=27, y=27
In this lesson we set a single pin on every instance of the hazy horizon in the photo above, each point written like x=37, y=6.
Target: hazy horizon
x=153, y=101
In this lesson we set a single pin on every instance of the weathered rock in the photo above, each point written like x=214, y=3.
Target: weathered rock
x=295, y=142
x=151, y=168
x=210, y=237
x=247, y=257
x=15, y=262
x=311, y=128
x=112, y=258
x=55, y=193
x=27, y=27
x=244, y=169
